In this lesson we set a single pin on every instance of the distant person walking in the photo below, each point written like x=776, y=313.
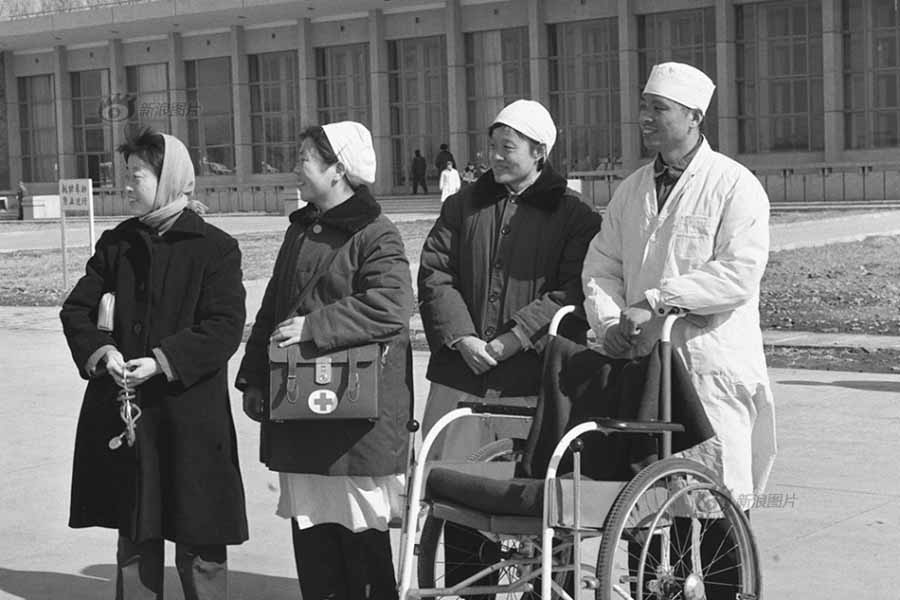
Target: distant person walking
x=450, y=182
x=21, y=192
x=419, y=166
x=442, y=157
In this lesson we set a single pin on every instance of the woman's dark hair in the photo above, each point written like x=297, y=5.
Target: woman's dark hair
x=146, y=144
x=317, y=136
x=534, y=144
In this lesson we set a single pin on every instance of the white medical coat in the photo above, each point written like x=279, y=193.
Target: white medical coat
x=705, y=251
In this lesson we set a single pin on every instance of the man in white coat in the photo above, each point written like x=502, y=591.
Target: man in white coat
x=691, y=230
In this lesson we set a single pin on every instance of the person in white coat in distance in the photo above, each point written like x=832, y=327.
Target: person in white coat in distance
x=450, y=182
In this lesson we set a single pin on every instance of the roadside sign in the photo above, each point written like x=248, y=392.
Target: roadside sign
x=75, y=195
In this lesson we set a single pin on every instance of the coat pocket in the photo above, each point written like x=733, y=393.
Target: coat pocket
x=693, y=239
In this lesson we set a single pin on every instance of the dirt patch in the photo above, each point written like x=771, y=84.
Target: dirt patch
x=840, y=288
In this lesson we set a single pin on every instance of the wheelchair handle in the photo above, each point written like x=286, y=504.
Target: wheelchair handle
x=559, y=316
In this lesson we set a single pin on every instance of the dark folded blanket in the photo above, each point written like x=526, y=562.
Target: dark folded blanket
x=579, y=384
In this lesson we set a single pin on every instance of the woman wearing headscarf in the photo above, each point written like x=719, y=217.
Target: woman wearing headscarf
x=178, y=318
x=502, y=258
x=341, y=279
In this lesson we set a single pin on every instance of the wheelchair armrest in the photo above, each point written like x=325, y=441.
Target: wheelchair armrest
x=639, y=426
x=499, y=409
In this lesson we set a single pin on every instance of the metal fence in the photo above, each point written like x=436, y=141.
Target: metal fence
x=809, y=186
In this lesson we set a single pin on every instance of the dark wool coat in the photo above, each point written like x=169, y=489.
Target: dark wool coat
x=364, y=296
x=180, y=292
x=491, y=262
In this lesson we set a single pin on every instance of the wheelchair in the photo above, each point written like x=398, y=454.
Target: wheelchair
x=650, y=533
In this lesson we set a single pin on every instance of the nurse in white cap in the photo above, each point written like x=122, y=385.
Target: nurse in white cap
x=341, y=280
x=690, y=230
x=503, y=256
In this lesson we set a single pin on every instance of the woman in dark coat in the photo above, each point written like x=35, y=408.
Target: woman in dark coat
x=178, y=317
x=344, y=263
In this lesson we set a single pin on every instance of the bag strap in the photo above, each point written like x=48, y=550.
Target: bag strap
x=293, y=360
x=352, y=374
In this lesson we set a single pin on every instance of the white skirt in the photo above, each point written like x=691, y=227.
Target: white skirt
x=356, y=502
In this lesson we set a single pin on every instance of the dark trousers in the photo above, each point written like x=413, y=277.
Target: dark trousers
x=718, y=555
x=416, y=181
x=334, y=563
x=203, y=570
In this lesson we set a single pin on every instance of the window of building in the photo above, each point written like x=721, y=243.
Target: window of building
x=92, y=126
x=417, y=100
x=871, y=33
x=689, y=37
x=781, y=104
x=273, y=111
x=497, y=73
x=210, y=115
x=37, y=128
x=342, y=84
x=148, y=97
x=584, y=94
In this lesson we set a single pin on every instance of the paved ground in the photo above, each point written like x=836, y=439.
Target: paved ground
x=785, y=236
x=32, y=236
x=832, y=521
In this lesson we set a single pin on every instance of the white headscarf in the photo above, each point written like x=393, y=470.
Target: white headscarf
x=531, y=119
x=682, y=83
x=174, y=188
x=352, y=143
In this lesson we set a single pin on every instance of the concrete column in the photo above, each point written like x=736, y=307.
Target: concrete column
x=13, y=134
x=726, y=66
x=381, y=115
x=306, y=75
x=629, y=85
x=65, y=139
x=118, y=88
x=240, y=89
x=537, y=52
x=833, y=80
x=457, y=107
x=764, y=129
x=177, y=88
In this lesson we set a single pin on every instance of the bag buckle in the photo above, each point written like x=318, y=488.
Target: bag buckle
x=323, y=370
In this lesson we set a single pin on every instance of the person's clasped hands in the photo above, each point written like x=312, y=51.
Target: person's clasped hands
x=138, y=370
x=626, y=335
x=481, y=356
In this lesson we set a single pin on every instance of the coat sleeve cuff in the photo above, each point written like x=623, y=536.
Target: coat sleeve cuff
x=523, y=339
x=654, y=298
x=164, y=364
x=93, y=367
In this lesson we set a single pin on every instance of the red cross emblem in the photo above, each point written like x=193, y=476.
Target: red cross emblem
x=322, y=402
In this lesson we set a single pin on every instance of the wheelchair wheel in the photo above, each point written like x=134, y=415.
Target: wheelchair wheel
x=676, y=532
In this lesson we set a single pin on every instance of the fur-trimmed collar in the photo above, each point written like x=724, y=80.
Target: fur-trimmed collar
x=351, y=215
x=545, y=193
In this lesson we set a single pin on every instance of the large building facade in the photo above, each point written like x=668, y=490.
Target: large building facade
x=808, y=90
